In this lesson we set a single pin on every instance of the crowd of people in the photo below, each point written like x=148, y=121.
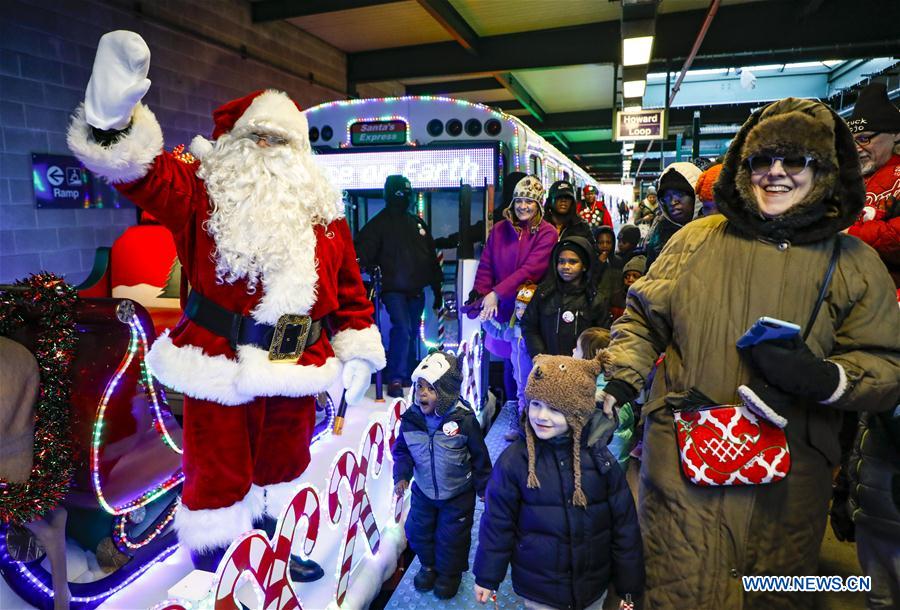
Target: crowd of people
x=597, y=335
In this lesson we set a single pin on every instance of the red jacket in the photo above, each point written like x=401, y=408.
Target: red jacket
x=879, y=222
x=190, y=358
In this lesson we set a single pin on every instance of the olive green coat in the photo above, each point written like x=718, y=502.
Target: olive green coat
x=711, y=282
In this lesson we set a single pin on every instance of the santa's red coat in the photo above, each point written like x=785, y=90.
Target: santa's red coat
x=199, y=363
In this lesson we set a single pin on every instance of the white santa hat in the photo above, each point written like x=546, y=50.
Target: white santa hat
x=268, y=108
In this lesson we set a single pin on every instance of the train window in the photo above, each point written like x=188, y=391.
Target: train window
x=536, y=167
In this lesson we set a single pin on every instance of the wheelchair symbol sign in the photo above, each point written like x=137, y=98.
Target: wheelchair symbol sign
x=55, y=175
x=73, y=176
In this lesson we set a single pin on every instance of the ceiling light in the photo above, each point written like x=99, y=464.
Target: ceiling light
x=636, y=51
x=632, y=108
x=634, y=88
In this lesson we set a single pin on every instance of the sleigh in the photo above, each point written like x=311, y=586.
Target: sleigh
x=126, y=461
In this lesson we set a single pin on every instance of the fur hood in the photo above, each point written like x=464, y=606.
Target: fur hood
x=794, y=126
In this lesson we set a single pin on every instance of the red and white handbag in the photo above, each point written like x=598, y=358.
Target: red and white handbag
x=730, y=445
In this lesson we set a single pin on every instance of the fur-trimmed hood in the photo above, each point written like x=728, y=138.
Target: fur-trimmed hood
x=794, y=126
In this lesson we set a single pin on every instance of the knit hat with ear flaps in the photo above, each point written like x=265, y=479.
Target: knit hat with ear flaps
x=794, y=127
x=442, y=371
x=567, y=385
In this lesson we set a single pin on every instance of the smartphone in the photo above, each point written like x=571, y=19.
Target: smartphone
x=768, y=329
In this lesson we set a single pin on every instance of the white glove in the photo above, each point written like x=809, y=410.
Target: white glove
x=356, y=377
x=118, y=81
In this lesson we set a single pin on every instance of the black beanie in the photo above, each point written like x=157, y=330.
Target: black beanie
x=573, y=246
x=874, y=111
x=630, y=234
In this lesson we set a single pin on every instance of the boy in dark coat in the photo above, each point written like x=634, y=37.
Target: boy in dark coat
x=561, y=212
x=440, y=442
x=556, y=509
x=571, y=298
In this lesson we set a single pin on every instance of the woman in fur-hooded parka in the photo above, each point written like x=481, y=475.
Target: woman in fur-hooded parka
x=712, y=281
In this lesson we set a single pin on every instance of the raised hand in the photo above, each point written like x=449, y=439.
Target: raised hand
x=118, y=80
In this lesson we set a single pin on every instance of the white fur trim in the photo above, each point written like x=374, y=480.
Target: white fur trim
x=274, y=109
x=364, y=344
x=235, y=382
x=200, y=146
x=843, y=384
x=191, y=371
x=204, y=529
x=129, y=158
x=279, y=495
x=756, y=404
x=258, y=376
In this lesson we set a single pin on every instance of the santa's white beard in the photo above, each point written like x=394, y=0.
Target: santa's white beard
x=265, y=203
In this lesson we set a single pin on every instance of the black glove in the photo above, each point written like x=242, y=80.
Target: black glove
x=438, y=298
x=791, y=366
x=841, y=519
x=621, y=391
x=474, y=295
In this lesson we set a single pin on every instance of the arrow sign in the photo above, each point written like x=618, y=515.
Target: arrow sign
x=55, y=175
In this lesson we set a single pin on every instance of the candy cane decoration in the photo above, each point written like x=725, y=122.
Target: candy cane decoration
x=355, y=473
x=266, y=561
x=398, y=407
x=443, y=309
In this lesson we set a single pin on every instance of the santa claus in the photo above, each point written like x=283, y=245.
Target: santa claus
x=277, y=311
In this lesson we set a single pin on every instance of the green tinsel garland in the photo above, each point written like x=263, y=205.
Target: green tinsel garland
x=53, y=302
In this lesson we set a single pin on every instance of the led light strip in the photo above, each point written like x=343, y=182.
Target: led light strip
x=151, y=494
x=426, y=98
x=47, y=591
x=148, y=378
x=125, y=542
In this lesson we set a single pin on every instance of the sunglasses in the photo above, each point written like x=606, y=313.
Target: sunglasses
x=761, y=164
x=866, y=139
x=270, y=139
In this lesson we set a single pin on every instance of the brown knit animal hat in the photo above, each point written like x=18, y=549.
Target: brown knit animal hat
x=567, y=385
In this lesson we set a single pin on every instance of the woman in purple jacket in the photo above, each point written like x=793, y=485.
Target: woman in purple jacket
x=517, y=251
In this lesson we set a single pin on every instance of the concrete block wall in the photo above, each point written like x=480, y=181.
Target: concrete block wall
x=46, y=52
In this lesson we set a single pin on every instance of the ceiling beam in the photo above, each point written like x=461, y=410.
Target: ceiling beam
x=537, y=49
x=444, y=13
x=507, y=106
x=775, y=33
x=678, y=117
x=273, y=10
x=454, y=86
x=512, y=85
x=572, y=121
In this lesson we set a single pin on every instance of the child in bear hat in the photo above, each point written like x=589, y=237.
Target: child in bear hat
x=557, y=509
x=441, y=446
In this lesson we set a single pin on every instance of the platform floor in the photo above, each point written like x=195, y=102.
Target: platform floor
x=835, y=558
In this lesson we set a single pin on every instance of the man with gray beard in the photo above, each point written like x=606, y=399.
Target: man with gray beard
x=277, y=310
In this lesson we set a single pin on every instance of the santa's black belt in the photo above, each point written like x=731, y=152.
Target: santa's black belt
x=285, y=340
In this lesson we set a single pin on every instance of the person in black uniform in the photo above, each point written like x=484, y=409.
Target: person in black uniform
x=401, y=244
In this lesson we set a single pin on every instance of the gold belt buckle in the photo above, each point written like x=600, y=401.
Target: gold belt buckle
x=275, y=353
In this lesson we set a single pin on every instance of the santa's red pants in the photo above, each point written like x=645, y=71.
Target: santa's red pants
x=228, y=449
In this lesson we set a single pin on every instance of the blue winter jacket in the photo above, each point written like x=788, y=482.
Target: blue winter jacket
x=562, y=555
x=446, y=462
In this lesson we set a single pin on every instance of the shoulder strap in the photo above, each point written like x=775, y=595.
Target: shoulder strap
x=835, y=254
